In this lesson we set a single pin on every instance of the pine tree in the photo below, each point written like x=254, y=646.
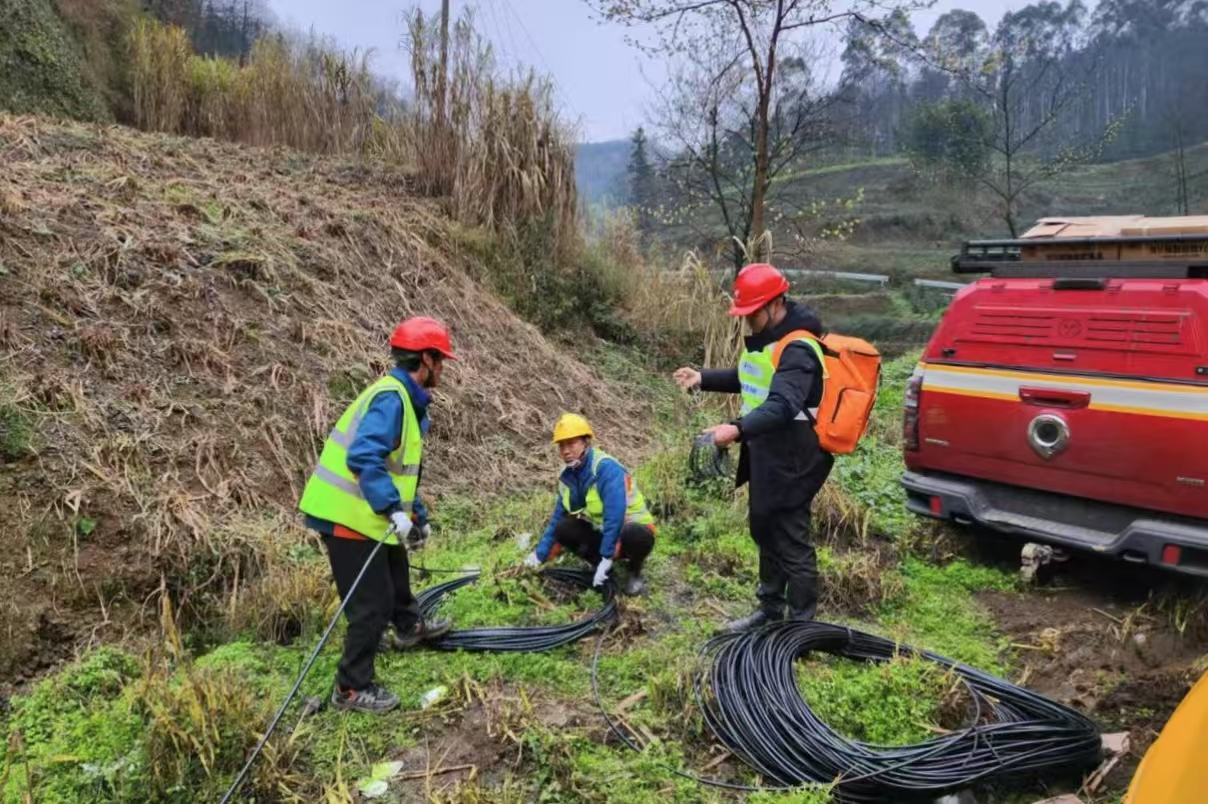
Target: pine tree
x=641, y=182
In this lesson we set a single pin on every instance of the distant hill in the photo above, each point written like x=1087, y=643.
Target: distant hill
x=600, y=171
x=896, y=206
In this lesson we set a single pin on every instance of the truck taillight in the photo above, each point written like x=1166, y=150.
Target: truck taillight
x=910, y=413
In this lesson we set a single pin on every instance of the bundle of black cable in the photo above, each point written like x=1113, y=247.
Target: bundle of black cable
x=707, y=461
x=530, y=639
x=750, y=699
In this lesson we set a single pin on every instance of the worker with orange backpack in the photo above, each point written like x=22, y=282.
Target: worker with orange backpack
x=782, y=376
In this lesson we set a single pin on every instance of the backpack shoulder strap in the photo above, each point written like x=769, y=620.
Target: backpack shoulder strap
x=795, y=336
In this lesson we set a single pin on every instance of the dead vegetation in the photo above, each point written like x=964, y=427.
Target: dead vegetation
x=202, y=721
x=491, y=146
x=183, y=321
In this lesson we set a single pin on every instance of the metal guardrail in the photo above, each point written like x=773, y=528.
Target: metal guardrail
x=791, y=273
x=879, y=279
x=938, y=285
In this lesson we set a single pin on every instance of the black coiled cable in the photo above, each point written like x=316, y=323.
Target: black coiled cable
x=706, y=461
x=529, y=639
x=749, y=697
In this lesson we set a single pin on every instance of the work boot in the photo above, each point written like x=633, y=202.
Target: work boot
x=424, y=631
x=802, y=615
x=749, y=623
x=373, y=699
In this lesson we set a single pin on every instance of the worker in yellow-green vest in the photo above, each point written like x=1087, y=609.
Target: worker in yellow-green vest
x=365, y=489
x=780, y=456
x=599, y=514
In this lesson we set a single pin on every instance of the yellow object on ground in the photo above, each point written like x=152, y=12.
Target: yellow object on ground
x=571, y=425
x=1172, y=771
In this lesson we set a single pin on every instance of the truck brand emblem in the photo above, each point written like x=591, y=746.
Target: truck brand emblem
x=1049, y=435
x=1069, y=328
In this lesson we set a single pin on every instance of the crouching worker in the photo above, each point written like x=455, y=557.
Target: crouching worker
x=365, y=489
x=599, y=515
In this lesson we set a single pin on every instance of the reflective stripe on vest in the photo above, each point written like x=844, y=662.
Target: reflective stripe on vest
x=332, y=492
x=593, y=509
x=755, y=372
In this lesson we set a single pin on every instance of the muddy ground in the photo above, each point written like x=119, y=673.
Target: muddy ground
x=1120, y=642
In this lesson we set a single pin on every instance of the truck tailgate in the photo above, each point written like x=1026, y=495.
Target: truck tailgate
x=1095, y=393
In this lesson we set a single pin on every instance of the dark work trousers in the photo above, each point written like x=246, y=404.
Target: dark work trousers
x=581, y=538
x=788, y=563
x=383, y=596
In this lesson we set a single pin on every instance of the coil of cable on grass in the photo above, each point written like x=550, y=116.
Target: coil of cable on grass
x=707, y=461
x=520, y=639
x=748, y=694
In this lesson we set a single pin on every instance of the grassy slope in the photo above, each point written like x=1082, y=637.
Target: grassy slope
x=103, y=730
x=181, y=322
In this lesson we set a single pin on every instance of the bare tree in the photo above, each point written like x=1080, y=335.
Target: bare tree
x=1178, y=127
x=1181, y=162
x=708, y=116
x=736, y=102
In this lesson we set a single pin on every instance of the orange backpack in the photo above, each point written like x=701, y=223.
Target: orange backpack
x=852, y=371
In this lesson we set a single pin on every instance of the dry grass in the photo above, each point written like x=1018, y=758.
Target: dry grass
x=186, y=319
x=685, y=300
x=203, y=721
x=493, y=145
x=307, y=95
x=858, y=582
x=159, y=70
x=288, y=585
x=840, y=520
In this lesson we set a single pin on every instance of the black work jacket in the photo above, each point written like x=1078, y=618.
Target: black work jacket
x=780, y=456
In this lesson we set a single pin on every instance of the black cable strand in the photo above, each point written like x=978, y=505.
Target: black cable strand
x=422, y=570
x=530, y=639
x=748, y=694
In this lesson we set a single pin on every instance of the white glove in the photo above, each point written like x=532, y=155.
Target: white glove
x=531, y=561
x=602, y=572
x=400, y=525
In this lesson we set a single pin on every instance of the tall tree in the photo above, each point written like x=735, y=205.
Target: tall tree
x=1031, y=82
x=947, y=141
x=641, y=182
x=754, y=118
x=874, y=81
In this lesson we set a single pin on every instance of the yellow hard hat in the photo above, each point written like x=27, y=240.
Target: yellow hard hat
x=571, y=425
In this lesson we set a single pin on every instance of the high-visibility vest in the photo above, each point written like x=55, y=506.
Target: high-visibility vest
x=332, y=492
x=755, y=372
x=593, y=508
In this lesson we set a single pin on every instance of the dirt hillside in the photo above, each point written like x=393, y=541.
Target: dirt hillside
x=181, y=322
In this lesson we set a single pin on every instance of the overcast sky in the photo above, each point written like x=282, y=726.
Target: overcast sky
x=604, y=87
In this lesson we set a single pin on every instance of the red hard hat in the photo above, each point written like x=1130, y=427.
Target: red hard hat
x=755, y=286
x=421, y=334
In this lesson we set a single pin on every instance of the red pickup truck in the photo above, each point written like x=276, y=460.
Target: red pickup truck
x=1064, y=397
